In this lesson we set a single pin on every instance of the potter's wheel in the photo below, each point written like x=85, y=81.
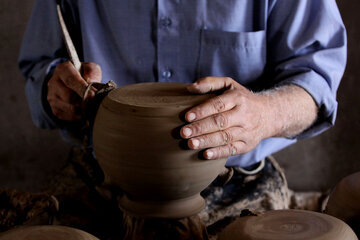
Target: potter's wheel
x=46, y=233
x=288, y=225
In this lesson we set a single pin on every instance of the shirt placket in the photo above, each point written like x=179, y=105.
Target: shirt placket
x=167, y=40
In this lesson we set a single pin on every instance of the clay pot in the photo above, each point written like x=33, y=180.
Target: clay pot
x=344, y=201
x=46, y=233
x=288, y=225
x=136, y=144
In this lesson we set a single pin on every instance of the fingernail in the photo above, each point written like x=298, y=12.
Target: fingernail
x=191, y=116
x=193, y=85
x=187, y=132
x=209, y=154
x=195, y=143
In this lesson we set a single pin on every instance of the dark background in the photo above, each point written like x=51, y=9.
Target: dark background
x=28, y=155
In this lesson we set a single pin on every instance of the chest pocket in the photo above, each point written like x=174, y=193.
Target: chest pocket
x=239, y=55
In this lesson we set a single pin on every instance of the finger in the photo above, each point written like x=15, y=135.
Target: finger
x=211, y=84
x=71, y=78
x=91, y=72
x=216, y=139
x=65, y=111
x=210, y=124
x=231, y=149
x=65, y=94
x=62, y=115
x=213, y=106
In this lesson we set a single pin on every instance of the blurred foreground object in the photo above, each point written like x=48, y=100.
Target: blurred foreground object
x=24, y=208
x=344, y=201
x=288, y=225
x=46, y=233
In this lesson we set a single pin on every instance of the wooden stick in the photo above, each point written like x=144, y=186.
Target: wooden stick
x=68, y=42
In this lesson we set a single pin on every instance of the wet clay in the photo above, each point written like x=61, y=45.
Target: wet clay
x=344, y=201
x=288, y=225
x=137, y=144
x=46, y=233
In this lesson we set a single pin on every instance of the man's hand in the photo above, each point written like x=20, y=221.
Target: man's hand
x=66, y=88
x=238, y=119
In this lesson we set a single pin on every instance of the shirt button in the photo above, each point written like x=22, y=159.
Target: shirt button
x=165, y=22
x=167, y=74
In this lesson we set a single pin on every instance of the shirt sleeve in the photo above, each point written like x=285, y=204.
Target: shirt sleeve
x=42, y=50
x=307, y=47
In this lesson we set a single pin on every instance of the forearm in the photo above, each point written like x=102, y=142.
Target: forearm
x=291, y=110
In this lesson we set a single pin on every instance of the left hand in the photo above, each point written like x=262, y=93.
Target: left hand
x=229, y=124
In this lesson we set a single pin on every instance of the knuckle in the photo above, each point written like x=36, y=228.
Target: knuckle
x=220, y=121
x=218, y=104
x=226, y=136
x=232, y=149
x=200, y=112
x=223, y=152
x=196, y=128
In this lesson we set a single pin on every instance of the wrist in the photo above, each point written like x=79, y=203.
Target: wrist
x=290, y=110
x=273, y=119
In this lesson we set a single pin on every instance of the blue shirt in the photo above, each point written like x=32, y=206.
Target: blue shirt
x=259, y=43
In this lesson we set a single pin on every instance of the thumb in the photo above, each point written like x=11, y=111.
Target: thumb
x=91, y=72
x=211, y=84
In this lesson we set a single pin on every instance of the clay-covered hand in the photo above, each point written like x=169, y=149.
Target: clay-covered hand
x=67, y=87
x=229, y=124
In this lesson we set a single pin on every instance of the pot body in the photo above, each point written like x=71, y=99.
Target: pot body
x=136, y=145
x=344, y=200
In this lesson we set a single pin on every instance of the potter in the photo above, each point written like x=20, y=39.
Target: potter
x=274, y=69
x=275, y=86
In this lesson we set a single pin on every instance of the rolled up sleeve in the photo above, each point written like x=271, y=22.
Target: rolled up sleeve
x=307, y=47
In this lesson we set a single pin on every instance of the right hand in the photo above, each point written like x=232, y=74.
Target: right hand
x=67, y=87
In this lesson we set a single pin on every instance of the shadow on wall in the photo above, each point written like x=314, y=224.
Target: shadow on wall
x=28, y=155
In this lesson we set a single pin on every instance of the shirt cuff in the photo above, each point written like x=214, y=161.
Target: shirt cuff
x=324, y=98
x=36, y=93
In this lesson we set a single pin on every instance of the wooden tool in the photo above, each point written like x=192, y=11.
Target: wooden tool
x=74, y=57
